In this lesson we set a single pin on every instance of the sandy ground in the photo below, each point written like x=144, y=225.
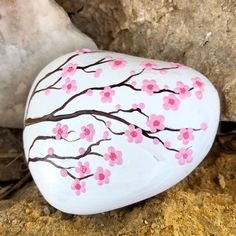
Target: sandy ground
x=202, y=204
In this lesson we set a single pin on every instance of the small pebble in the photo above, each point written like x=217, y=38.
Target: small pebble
x=221, y=181
x=27, y=211
x=46, y=211
x=145, y=222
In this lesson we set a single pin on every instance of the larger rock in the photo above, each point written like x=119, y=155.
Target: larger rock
x=199, y=34
x=32, y=33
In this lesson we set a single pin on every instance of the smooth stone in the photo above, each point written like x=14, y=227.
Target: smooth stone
x=104, y=130
x=32, y=34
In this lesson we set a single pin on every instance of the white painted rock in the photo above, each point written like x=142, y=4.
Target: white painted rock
x=32, y=33
x=104, y=130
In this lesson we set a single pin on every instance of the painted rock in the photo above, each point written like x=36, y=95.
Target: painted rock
x=104, y=130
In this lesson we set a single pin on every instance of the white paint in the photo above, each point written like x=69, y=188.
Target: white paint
x=147, y=168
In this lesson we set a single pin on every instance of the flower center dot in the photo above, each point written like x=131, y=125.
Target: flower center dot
x=156, y=123
x=83, y=169
x=77, y=186
x=60, y=131
x=185, y=156
x=133, y=133
x=150, y=86
x=107, y=94
x=171, y=101
x=101, y=176
x=118, y=63
x=186, y=135
x=70, y=69
x=86, y=131
x=113, y=156
x=199, y=83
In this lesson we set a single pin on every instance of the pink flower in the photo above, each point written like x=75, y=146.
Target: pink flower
x=156, y=141
x=148, y=65
x=69, y=86
x=171, y=102
x=60, y=131
x=198, y=94
x=182, y=90
x=102, y=176
x=197, y=83
x=135, y=106
x=105, y=135
x=134, y=135
x=47, y=92
x=163, y=71
x=141, y=105
x=113, y=156
x=156, y=122
x=106, y=94
x=81, y=151
x=118, y=107
x=150, y=86
x=167, y=144
x=83, y=50
x=78, y=186
x=69, y=70
x=87, y=132
x=203, y=126
x=108, y=124
x=89, y=92
x=180, y=66
x=186, y=135
x=184, y=155
x=117, y=63
x=50, y=151
x=98, y=73
x=63, y=172
x=82, y=168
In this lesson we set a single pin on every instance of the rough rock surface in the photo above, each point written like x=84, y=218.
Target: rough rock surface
x=200, y=34
x=202, y=204
x=32, y=33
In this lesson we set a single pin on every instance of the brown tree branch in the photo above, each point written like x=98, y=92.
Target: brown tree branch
x=130, y=111
x=94, y=88
x=116, y=133
x=166, y=68
x=59, y=68
x=59, y=167
x=87, y=152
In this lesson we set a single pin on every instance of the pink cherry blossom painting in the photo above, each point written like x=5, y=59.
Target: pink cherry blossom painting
x=104, y=130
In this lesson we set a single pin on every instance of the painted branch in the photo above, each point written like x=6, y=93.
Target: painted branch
x=59, y=167
x=86, y=153
x=83, y=68
x=116, y=133
x=46, y=76
x=166, y=68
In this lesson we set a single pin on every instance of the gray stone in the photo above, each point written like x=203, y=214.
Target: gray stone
x=32, y=33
